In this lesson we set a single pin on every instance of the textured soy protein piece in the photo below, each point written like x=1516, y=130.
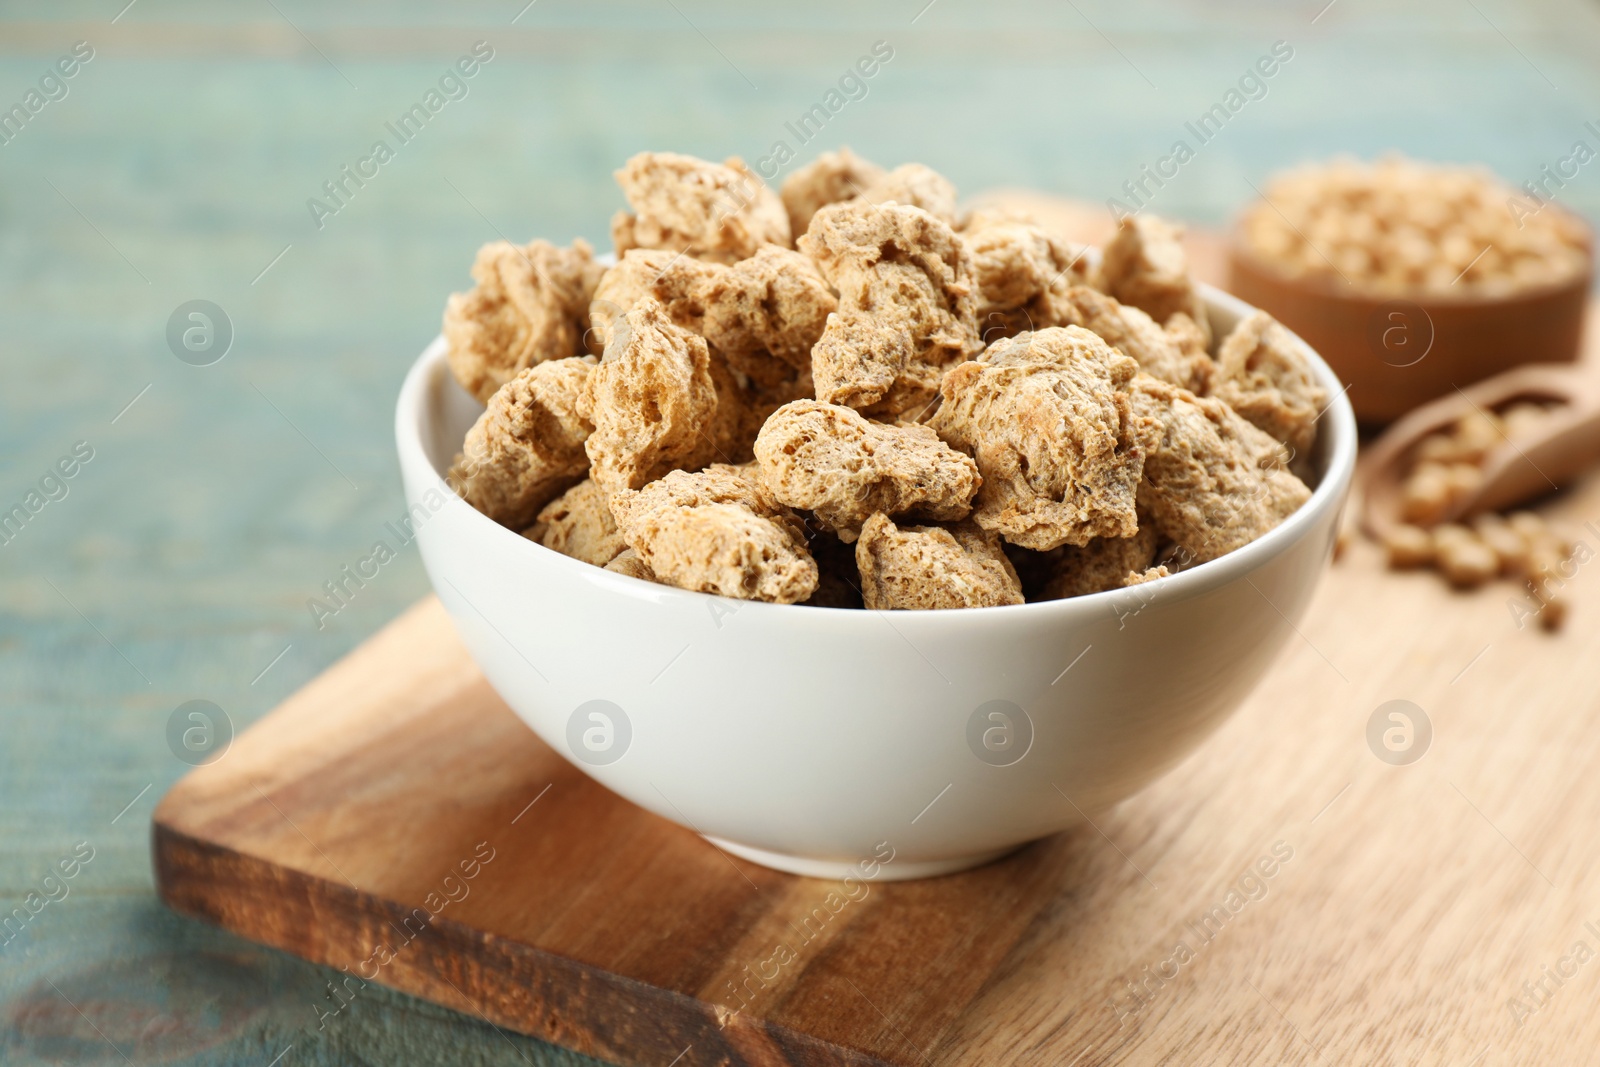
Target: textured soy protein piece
x=718, y=531
x=651, y=400
x=1021, y=273
x=1049, y=419
x=1149, y=574
x=1158, y=352
x=1145, y=265
x=719, y=212
x=1102, y=564
x=529, y=304
x=906, y=306
x=528, y=445
x=829, y=179
x=1263, y=375
x=669, y=277
x=629, y=563
x=765, y=313
x=917, y=186
x=930, y=567
x=833, y=461
x=1215, y=482
x=1187, y=335
x=761, y=316
x=578, y=523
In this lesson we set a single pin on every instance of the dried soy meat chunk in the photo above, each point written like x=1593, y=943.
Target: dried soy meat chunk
x=829, y=179
x=833, y=461
x=718, y=531
x=651, y=400
x=720, y=212
x=1263, y=375
x=578, y=523
x=1145, y=265
x=1215, y=482
x=932, y=567
x=906, y=306
x=1049, y=418
x=529, y=305
x=528, y=445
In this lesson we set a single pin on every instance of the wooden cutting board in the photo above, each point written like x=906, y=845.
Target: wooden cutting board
x=1285, y=896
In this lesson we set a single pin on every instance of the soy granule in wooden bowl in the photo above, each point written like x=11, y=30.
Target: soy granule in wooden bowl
x=1399, y=227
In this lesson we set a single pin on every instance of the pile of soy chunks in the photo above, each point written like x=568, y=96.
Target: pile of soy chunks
x=850, y=394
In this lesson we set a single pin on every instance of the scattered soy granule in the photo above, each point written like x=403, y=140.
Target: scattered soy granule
x=1446, y=469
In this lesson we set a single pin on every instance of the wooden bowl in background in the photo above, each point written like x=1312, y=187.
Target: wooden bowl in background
x=1397, y=354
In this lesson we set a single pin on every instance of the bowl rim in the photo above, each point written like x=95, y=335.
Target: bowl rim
x=1337, y=419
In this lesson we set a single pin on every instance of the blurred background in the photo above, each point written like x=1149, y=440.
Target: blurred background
x=176, y=164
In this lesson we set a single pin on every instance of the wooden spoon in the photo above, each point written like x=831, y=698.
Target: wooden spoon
x=1515, y=471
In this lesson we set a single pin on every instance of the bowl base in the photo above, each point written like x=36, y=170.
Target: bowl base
x=834, y=870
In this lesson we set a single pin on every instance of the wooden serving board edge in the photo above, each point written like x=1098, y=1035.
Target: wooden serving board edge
x=536, y=993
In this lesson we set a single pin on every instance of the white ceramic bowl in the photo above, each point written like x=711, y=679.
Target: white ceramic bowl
x=812, y=739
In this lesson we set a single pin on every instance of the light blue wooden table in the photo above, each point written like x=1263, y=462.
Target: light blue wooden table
x=176, y=165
